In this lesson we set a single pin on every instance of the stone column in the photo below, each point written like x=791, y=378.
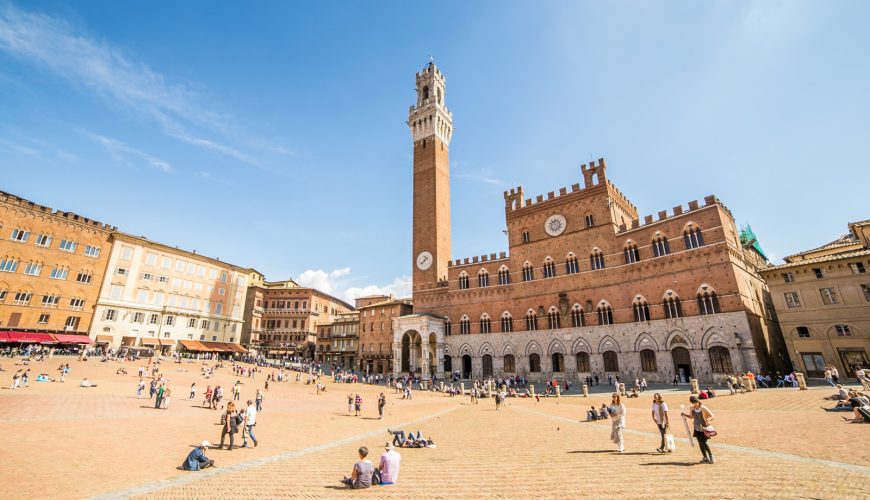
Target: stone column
x=397, y=358
x=585, y=391
x=424, y=372
x=802, y=381
x=694, y=383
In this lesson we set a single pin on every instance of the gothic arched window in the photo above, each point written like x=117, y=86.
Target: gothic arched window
x=504, y=276
x=641, y=309
x=571, y=265
x=463, y=281
x=692, y=236
x=630, y=252
x=577, y=319
x=485, y=324
x=672, y=305
x=531, y=321
x=549, y=268
x=554, y=322
x=483, y=278
x=605, y=314
x=660, y=245
x=464, y=326
x=507, y=322
x=596, y=259
x=528, y=272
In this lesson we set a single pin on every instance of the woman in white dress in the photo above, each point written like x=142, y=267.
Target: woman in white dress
x=617, y=420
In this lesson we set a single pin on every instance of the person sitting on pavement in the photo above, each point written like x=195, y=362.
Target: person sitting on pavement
x=389, y=466
x=196, y=459
x=361, y=476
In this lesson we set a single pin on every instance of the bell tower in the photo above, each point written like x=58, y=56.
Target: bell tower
x=431, y=127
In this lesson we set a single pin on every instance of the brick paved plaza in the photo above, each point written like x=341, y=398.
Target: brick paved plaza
x=65, y=441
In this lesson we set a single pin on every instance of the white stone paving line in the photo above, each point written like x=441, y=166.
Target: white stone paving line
x=212, y=472
x=732, y=447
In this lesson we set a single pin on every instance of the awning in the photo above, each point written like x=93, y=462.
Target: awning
x=104, y=339
x=149, y=341
x=217, y=346
x=193, y=345
x=64, y=338
x=237, y=348
x=41, y=338
x=167, y=342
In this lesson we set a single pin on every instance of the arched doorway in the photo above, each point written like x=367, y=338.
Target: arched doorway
x=534, y=362
x=682, y=363
x=583, y=362
x=412, y=352
x=487, y=365
x=466, y=366
x=720, y=360
x=509, y=363
x=611, y=361
x=558, y=362
x=448, y=364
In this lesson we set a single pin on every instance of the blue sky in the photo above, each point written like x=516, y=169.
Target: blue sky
x=272, y=134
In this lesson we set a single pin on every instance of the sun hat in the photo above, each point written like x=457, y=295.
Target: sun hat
x=389, y=446
x=206, y=444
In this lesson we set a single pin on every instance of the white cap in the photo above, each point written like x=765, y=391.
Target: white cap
x=206, y=444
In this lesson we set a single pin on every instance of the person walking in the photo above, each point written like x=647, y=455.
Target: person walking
x=167, y=394
x=701, y=417
x=660, y=417
x=229, y=425
x=349, y=403
x=259, y=399
x=139, y=388
x=617, y=419
x=192, y=391
x=382, y=401
x=357, y=405
x=16, y=379
x=250, y=422
x=160, y=391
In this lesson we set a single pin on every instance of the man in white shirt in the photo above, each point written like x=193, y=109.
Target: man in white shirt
x=389, y=465
x=250, y=422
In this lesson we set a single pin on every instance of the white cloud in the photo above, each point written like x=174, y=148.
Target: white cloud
x=399, y=287
x=117, y=77
x=120, y=150
x=325, y=281
x=337, y=283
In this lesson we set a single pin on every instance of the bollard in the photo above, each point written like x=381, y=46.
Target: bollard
x=558, y=391
x=462, y=388
x=585, y=391
x=802, y=382
x=441, y=386
x=532, y=389
x=621, y=389
x=694, y=383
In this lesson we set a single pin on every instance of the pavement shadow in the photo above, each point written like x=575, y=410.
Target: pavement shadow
x=684, y=464
x=592, y=451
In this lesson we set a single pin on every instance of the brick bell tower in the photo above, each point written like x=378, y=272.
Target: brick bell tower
x=431, y=127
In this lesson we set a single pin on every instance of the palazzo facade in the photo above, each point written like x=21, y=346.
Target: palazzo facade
x=587, y=286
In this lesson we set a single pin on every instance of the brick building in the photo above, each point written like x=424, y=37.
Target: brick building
x=822, y=298
x=338, y=342
x=376, y=313
x=289, y=318
x=51, y=266
x=587, y=286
